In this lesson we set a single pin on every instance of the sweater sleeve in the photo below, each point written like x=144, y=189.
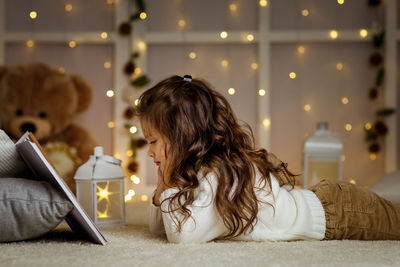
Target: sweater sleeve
x=156, y=224
x=203, y=225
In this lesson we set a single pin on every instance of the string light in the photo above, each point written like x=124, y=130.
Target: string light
x=135, y=179
x=224, y=63
x=223, y=35
x=104, y=35
x=33, y=14
x=333, y=34
x=339, y=66
x=144, y=197
x=305, y=12
x=68, y=7
x=231, y=91
x=111, y=124
x=137, y=71
x=261, y=92
x=301, y=49
x=343, y=157
x=233, y=7
x=254, y=65
x=352, y=181
x=129, y=153
x=30, y=43
x=368, y=126
x=372, y=156
x=133, y=129
x=263, y=3
x=340, y=2
x=110, y=93
x=128, y=197
x=142, y=45
x=143, y=15
x=307, y=107
x=61, y=70
x=292, y=75
x=345, y=100
x=266, y=123
x=136, y=101
x=250, y=37
x=131, y=192
x=107, y=64
x=348, y=127
x=363, y=33
x=192, y=55
x=181, y=23
x=72, y=44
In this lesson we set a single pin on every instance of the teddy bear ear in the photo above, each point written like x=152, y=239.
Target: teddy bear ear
x=84, y=92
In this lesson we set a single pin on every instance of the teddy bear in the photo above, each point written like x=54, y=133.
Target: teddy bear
x=37, y=98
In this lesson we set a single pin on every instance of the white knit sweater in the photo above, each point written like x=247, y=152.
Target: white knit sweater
x=295, y=214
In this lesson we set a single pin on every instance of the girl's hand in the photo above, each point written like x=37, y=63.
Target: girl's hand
x=161, y=181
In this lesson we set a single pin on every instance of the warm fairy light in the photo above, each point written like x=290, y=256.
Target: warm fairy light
x=61, y=70
x=129, y=153
x=250, y=37
x=136, y=101
x=305, y=12
x=192, y=55
x=340, y=2
x=68, y=7
x=223, y=34
x=181, y=23
x=372, y=156
x=107, y=64
x=143, y=15
x=233, y=7
x=137, y=71
x=301, y=49
x=30, y=43
x=343, y=157
x=261, y=92
x=72, y=44
x=292, y=75
x=333, y=34
x=142, y=45
x=224, y=63
x=263, y=3
x=363, y=33
x=128, y=197
x=254, y=65
x=144, y=197
x=111, y=124
x=33, y=14
x=135, y=179
x=131, y=192
x=339, y=66
x=104, y=35
x=307, y=107
x=102, y=193
x=110, y=2
x=348, y=127
x=102, y=214
x=352, y=181
x=266, y=123
x=345, y=100
x=133, y=129
x=117, y=156
x=368, y=126
x=231, y=91
x=110, y=93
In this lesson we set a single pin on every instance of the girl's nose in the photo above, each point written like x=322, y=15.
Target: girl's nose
x=150, y=153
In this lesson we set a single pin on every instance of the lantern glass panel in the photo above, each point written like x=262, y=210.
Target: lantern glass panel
x=109, y=201
x=84, y=191
x=319, y=169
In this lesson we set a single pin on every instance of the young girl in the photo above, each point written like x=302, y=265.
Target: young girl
x=213, y=183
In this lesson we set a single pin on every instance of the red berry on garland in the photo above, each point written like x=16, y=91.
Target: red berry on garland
x=374, y=148
x=129, y=68
x=373, y=93
x=133, y=166
x=380, y=128
x=375, y=59
x=125, y=28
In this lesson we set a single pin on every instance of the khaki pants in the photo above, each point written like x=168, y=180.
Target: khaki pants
x=353, y=212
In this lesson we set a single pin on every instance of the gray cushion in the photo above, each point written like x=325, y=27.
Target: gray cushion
x=29, y=208
x=388, y=187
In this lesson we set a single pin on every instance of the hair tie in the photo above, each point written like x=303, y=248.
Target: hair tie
x=187, y=78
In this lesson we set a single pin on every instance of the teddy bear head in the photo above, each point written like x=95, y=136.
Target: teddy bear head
x=39, y=99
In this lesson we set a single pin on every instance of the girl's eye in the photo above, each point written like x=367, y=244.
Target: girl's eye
x=152, y=142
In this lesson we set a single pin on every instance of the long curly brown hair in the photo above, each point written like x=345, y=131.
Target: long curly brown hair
x=204, y=134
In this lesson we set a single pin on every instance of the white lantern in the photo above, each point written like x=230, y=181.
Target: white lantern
x=100, y=189
x=322, y=156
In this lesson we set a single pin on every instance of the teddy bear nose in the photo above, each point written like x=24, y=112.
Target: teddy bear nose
x=28, y=127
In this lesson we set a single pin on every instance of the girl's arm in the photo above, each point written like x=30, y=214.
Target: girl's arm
x=155, y=218
x=204, y=224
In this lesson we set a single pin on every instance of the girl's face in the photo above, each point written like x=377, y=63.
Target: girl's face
x=158, y=147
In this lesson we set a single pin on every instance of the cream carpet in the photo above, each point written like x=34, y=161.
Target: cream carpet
x=135, y=246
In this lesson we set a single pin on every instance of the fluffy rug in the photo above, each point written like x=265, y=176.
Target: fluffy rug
x=135, y=246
